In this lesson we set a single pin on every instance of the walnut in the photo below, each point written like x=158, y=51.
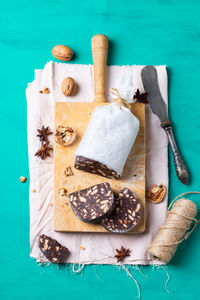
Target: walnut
x=62, y=52
x=68, y=172
x=156, y=193
x=62, y=192
x=22, y=179
x=69, y=86
x=65, y=135
x=45, y=91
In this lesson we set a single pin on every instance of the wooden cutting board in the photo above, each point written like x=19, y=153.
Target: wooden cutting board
x=78, y=115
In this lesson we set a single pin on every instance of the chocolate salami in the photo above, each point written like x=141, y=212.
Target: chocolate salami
x=52, y=250
x=126, y=215
x=93, y=203
x=108, y=140
x=95, y=167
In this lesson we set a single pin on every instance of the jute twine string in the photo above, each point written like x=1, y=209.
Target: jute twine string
x=118, y=99
x=179, y=224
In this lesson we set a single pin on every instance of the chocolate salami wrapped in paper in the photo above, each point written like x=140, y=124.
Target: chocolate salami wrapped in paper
x=107, y=141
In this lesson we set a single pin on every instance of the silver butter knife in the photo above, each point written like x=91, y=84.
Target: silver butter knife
x=159, y=108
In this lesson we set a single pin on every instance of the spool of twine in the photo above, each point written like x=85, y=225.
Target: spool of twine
x=179, y=224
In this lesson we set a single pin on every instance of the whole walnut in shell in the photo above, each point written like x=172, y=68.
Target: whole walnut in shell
x=62, y=52
x=65, y=135
x=69, y=86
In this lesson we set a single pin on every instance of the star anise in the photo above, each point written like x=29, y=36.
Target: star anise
x=43, y=152
x=43, y=133
x=140, y=97
x=123, y=252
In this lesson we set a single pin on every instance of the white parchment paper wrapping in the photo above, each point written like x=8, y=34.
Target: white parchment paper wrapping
x=110, y=136
x=99, y=248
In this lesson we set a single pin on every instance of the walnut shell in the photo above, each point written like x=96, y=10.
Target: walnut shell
x=68, y=86
x=65, y=136
x=156, y=193
x=62, y=52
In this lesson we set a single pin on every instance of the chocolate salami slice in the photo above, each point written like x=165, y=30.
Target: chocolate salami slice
x=52, y=250
x=126, y=215
x=93, y=203
x=95, y=167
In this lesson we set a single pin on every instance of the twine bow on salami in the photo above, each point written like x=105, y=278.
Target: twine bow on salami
x=118, y=99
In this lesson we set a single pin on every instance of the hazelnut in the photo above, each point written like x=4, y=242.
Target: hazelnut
x=22, y=179
x=156, y=193
x=65, y=135
x=68, y=86
x=62, y=52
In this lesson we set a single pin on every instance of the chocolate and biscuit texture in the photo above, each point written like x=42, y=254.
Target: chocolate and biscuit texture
x=95, y=167
x=93, y=203
x=52, y=250
x=126, y=215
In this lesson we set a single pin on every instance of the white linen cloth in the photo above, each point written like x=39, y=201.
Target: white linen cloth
x=99, y=248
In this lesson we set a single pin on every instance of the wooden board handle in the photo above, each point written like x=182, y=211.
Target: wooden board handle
x=99, y=54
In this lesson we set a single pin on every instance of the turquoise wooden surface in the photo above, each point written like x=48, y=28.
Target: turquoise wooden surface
x=141, y=32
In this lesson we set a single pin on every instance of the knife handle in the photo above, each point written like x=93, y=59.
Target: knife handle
x=181, y=169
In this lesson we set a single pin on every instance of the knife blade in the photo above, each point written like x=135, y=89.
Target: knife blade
x=159, y=108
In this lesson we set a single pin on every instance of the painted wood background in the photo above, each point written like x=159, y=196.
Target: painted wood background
x=141, y=32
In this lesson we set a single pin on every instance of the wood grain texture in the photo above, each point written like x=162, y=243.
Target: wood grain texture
x=77, y=115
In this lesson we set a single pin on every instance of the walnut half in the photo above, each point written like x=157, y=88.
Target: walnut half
x=65, y=135
x=156, y=193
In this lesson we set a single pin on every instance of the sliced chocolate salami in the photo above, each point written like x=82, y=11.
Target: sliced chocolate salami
x=52, y=250
x=93, y=203
x=95, y=167
x=126, y=215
